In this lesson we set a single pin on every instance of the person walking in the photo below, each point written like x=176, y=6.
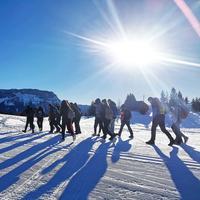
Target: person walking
x=53, y=113
x=125, y=120
x=40, y=117
x=67, y=116
x=58, y=118
x=114, y=109
x=177, y=114
x=107, y=117
x=29, y=112
x=77, y=118
x=98, y=111
x=158, y=120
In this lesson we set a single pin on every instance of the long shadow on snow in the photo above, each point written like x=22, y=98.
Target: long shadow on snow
x=121, y=146
x=21, y=143
x=8, y=132
x=186, y=183
x=73, y=162
x=195, y=155
x=29, y=152
x=14, y=175
x=13, y=138
x=86, y=179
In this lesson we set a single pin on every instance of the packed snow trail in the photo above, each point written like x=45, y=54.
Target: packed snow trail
x=39, y=166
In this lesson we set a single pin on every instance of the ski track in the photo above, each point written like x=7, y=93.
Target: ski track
x=91, y=169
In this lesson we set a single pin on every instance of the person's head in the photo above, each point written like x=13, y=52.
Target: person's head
x=104, y=101
x=150, y=99
x=109, y=100
x=97, y=101
x=63, y=103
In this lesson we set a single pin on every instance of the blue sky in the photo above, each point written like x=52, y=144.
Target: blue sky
x=37, y=50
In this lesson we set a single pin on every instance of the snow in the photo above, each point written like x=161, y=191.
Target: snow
x=38, y=166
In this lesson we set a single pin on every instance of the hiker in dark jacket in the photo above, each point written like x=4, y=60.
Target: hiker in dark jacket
x=29, y=112
x=158, y=120
x=67, y=116
x=40, y=116
x=53, y=113
x=125, y=120
x=107, y=117
x=98, y=111
x=77, y=117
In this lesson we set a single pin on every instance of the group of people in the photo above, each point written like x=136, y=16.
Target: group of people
x=106, y=112
x=30, y=114
x=178, y=111
x=59, y=118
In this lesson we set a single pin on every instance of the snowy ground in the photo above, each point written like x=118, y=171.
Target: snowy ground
x=37, y=166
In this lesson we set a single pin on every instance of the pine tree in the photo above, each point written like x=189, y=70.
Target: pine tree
x=186, y=100
x=130, y=101
x=173, y=97
x=180, y=96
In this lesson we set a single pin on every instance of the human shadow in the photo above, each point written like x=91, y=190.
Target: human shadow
x=120, y=146
x=186, y=183
x=73, y=162
x=29, y=152
x=14, y=175
x=13, y=138
x=21, y=143
x=194, y=154
x=8, y=132
x=86, y=179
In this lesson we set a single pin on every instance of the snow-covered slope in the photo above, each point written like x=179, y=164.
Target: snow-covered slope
x=37, y=166
x=14, y=101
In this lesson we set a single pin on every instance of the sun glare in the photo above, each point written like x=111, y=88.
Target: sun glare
x=132, y=52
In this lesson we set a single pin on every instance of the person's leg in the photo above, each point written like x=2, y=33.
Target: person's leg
x=96, y=123
x=51, y=123
x=176, y=130
x=111, y=126
x=71, y=129
x=77, y=126
x=63, y=128
x=104, y=126
x=32, y=125
x=121, y=128
x=164, y=130
x=41, y=124
x=129, y=128
x=27, y=123
x=153, y=130
x=100, y=127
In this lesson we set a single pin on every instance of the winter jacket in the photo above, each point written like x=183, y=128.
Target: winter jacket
x=114, y=109
x=125, y=115
x=157, y=107
x=98, y=110
x=29, y=112
x=108, y=113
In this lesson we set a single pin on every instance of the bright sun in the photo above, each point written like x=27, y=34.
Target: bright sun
x=132, y=52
